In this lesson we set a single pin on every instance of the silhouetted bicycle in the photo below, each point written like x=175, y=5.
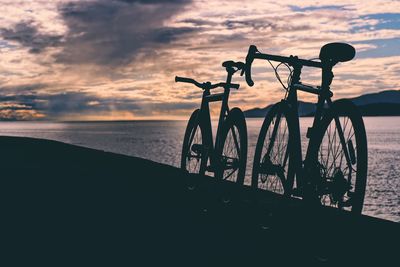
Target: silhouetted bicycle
x=334, y=171
x=227, y=158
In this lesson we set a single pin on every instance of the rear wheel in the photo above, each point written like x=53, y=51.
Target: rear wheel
x=195, y=148
x=232, y=148
x=341, y=162
x=274, y=157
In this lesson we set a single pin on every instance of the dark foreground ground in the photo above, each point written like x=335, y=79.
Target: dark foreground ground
x=67, y=205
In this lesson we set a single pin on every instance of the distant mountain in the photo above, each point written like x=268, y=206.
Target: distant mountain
x=257, y=112
x=389, y=96
x=380, y=109
x=385, y=103
x=304, y=109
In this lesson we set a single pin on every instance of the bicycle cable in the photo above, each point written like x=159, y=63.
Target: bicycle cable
x=289, y=79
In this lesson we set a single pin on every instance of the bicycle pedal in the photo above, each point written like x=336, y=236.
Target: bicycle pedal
x=210, y=168
x=297, y=192
x=197, y=148
x=346, y=204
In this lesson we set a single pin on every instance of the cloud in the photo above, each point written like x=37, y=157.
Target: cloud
x=115, y=32
x=8, y=114
x=53, y=106
x=313, y=8
x=151, y=2
x=22, y=89
x=27, y=35
x=65, y=59
x=70, y=104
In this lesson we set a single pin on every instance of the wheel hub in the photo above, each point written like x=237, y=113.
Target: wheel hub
x=268, y=168
x=229, y=163
x=339, y=186
x=197, y=148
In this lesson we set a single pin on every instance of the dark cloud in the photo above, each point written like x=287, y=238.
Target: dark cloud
x=153, y=1
x=113, y=32
x=22, y=89
x=255, y=24
x=56, y=105
x=313, y=8
x=263, y=25
x=9, y=114
x=14, y=106
x=28, y=36
x=171, y=106
x=199, y=22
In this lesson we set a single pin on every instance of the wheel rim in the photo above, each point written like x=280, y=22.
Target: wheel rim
x=194, y=154
x=337, y=184
x=273, y=167
x=230, y=158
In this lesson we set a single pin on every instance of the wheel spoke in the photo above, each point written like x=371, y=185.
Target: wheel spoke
x=340, y=175
x=231, y=155
x=193, y=160
x=274, y=154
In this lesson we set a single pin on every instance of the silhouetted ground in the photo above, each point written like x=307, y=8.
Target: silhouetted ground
x=68, y=205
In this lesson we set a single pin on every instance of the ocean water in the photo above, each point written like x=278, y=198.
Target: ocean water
x=161, y=141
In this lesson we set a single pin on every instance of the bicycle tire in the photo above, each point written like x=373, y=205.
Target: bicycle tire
x=325, y=143
x=199, y=153
x=267, y=173
x=232, y=151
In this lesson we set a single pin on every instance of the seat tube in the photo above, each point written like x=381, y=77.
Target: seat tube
x=224, y=105
x=293, y=109
x=205, y=119
x=327, y=76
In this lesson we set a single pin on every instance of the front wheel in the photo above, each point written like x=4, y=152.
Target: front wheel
x=231, y=151
x=195, y=147
x=275, y=154
x=340, y=153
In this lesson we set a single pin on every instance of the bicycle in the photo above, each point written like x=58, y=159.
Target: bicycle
x=334, y=170
x=227, y=157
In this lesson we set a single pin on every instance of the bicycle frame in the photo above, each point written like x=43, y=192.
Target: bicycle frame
x=205, y=118
x=324, y=96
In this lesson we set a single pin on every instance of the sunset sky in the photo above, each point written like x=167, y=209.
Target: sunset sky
x=104, y=59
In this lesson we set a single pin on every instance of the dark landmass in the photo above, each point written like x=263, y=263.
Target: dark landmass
x=385, y=103
x=69, y=205
x=380, y=109
x=305, y=109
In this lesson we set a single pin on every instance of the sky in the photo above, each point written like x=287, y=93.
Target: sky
x=117, y=59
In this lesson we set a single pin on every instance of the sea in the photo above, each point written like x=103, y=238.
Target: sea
x=161, y=141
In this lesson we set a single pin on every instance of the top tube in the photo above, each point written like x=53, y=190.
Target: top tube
x=292, y=61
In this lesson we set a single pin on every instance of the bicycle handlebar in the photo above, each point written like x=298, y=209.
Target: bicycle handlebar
x=186, y=80
x=253, y=53
x=249, y=62
x=206, y=85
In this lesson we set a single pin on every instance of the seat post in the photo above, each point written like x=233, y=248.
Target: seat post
x=327, y=76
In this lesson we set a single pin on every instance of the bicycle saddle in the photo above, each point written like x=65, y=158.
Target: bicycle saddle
x=231, y=64
x=337, y=52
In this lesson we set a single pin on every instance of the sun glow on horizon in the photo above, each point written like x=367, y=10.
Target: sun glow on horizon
x=116, y=60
